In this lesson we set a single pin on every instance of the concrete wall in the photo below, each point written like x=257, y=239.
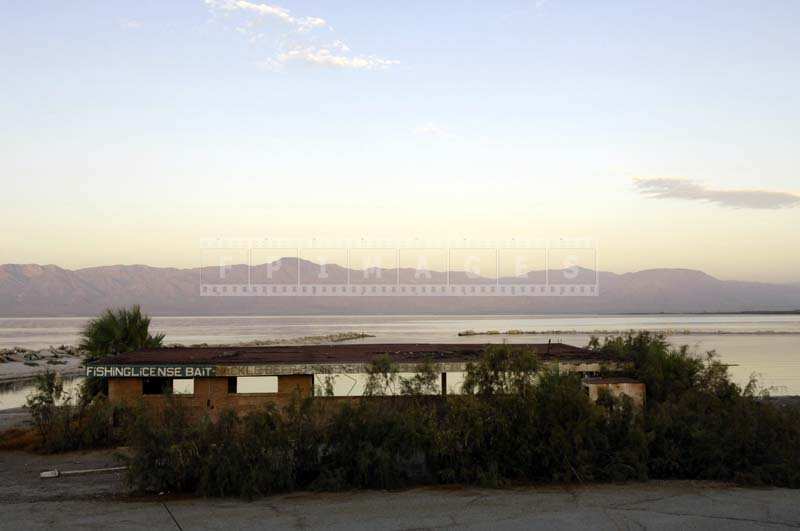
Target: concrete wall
x=211, y=394
x=635, y=390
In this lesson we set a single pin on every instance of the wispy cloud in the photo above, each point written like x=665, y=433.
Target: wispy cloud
x=326, y=57
x=130, y=24
x=301, y=24
x=667, y=188
x=430, y=129
x=297, y=43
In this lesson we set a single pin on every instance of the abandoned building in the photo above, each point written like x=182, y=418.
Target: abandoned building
x=213, y=379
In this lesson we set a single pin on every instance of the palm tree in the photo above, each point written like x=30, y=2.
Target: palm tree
x=114, y=332
x=118, y=331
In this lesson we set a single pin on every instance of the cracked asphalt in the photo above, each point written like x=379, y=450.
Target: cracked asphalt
x=100, y=502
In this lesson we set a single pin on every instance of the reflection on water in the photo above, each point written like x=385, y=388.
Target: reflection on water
x=14, y=394
x=42, y=332
x=775, y=357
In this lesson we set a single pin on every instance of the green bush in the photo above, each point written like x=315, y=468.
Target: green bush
x=516, y=423
x=63, y=426
x=375, y=443
x=551, y=433
x=169, y=449
x=701, y=425
x=248, y=457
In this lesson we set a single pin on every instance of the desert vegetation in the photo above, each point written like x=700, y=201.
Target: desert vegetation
x=517, y=422
x=63, y=421
x=114, y=332
x=699, y=424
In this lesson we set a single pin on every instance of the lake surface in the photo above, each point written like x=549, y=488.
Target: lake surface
x=768, y=345
x=15, y=394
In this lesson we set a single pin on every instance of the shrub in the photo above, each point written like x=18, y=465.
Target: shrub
x=502, y=370
x=249, y=457
x=517, y=423
x=375, y=443
x=101, y=424
x=169, y=449
x=63, y=426
x=700, y=424
x=551, y=433
x=42, y=404
x=382, y=377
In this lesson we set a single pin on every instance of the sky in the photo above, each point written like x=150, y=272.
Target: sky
x=667, y=132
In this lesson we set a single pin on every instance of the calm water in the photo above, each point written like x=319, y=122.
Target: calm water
x=14, y=394
x=745, y=345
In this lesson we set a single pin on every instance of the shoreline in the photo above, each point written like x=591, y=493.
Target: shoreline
x=18, y=379
x=234, y=315
x=20, y=364
x=604, y=332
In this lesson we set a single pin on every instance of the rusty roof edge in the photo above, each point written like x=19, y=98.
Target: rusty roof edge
x=321, y=354
x=280, y=369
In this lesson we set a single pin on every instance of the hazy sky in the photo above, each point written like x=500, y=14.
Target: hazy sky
x=667, y=131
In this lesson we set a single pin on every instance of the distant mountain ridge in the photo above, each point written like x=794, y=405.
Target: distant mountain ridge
x=49, y=290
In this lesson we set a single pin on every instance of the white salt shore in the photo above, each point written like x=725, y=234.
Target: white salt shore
x=19, y=364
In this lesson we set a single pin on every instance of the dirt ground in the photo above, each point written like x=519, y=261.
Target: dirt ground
x=101, y=501
x=20, y=482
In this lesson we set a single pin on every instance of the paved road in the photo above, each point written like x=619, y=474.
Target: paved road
x=101, y=502
x=654, y=505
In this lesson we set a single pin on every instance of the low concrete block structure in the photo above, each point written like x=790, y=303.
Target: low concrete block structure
x=617, y=387
x=212, y=379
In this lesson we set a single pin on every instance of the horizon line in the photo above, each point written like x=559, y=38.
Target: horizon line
x=293, y=258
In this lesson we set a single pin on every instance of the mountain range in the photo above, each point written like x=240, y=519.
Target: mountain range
x=29, y=290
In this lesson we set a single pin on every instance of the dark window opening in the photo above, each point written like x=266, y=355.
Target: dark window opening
x=232, y=385
x=156, y=386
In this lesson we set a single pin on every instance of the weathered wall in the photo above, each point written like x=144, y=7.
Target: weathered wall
x=124, y=389
x=211, y=394
x=304, y=383
x=635, y=390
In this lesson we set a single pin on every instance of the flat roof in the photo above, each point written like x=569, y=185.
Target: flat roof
x=602, y=380
x=338, y=353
